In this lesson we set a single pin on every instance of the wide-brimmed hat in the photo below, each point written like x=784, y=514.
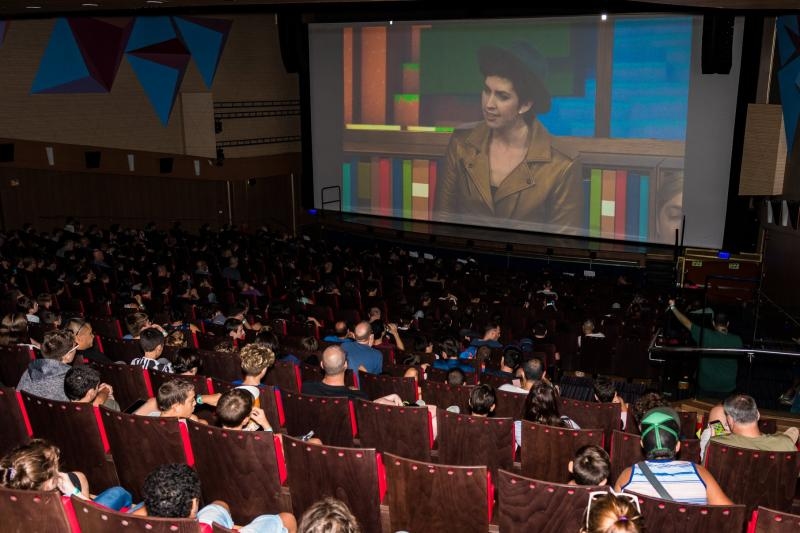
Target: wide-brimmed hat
x=526, y=64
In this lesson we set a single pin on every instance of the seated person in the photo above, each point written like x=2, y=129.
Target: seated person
x=176, y=398
x=36, y=466
x=173, y=491
x=482, y=400
x=642, y=405
x=256, y=359
x=683, y=481
x=717, y=425
x=447, y=356
x=82, y=384
x=84, y=337
x=590, y=466
x=236, y=410
x=456, y=377
x=742, y=416
x=187, y=362
x=341, y=333
x=334, y=365
x=606, y=392
x=135, y=323
x=529, y=374
x=328, y=515
x=152, y=342
x=541, y=407
x=613, y=513
x=45, y=377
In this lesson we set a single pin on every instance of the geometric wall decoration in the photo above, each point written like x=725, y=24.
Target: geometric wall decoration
x=159, y=59
x=83, y=56
x=205, y=39
x=788, y=30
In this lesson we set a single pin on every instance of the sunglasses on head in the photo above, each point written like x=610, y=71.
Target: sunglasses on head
x=610, y=492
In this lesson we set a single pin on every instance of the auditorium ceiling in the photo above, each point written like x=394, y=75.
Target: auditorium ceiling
x=39, y=8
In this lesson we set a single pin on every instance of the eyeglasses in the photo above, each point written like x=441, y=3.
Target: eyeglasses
x=610, y=492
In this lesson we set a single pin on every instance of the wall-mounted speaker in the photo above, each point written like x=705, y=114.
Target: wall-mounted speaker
x=92, y=159
x=165, y=165
x=7, y=153
x=716, y=56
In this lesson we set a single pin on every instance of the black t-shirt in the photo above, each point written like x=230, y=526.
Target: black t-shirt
x=318, y=388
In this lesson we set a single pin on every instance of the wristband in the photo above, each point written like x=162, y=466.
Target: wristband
x=199, y=399
x=75, y=491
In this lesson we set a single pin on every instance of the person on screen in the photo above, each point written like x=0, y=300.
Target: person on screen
x=509, y=166
x=669, y=202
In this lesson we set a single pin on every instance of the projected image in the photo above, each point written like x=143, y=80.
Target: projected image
x=570, y=126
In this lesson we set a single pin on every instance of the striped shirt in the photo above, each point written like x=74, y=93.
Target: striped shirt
x=679, y=478
x=162, y=365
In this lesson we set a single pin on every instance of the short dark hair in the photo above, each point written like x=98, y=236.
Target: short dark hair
x=79, y=380
x=169, y=491
x=512, y=357
x=185, y=360
x=456, y=376
x=482, y=399
x=233, y=407
x=604, y=389
x=150, y=339
x=232, y=324
x=644, y=403
x=173, y=392
x=591, y=465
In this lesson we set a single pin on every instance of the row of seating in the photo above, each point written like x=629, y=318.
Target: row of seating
x=420, y=497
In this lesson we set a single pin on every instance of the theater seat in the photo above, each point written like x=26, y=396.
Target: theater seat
x=96, y=519
x=662, y=516
x=26, y=511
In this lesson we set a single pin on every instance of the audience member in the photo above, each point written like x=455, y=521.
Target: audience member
x=82, y=384
x=36, y=466
x=590, y=466
x=236, y=410
x=482, y=400
x=741, y=417
x=45, y=377
x=360, y=354
x=173, y=491
x=611, y=512
x=606, y=392
x=152, y=342
x=660, y=475
x=328, y=515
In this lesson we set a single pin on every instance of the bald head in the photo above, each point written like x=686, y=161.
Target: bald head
x=363, y=332
x=334, y=360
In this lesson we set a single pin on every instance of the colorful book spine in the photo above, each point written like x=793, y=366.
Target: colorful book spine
x=364, y=190
x=632, y=211
x=432, y=172
x=644, y=206
x=407, y=184
x=607, y=204
x=419, y=189
x=373, y=74
x=620, y=204
x=397, y=187
x=375, y=184
x=347, y=186
x=385, y=177
x=595, y=199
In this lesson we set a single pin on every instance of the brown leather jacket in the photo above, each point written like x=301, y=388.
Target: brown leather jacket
x=544, y=193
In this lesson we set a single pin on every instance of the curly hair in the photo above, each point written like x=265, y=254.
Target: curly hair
x=328, y=515
x=169, y=491
x=255, y=358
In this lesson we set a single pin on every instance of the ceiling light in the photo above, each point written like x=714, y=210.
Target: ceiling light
x=154, y=2
x=33, y=7
x=90, y=5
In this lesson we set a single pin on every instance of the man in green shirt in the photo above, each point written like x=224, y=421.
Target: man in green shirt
x=715, y=375
x=741, y=414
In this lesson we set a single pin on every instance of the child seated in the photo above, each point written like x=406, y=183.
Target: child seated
x=236, y=410
x=590, y=466
x=152, y=342
x=173, y=491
